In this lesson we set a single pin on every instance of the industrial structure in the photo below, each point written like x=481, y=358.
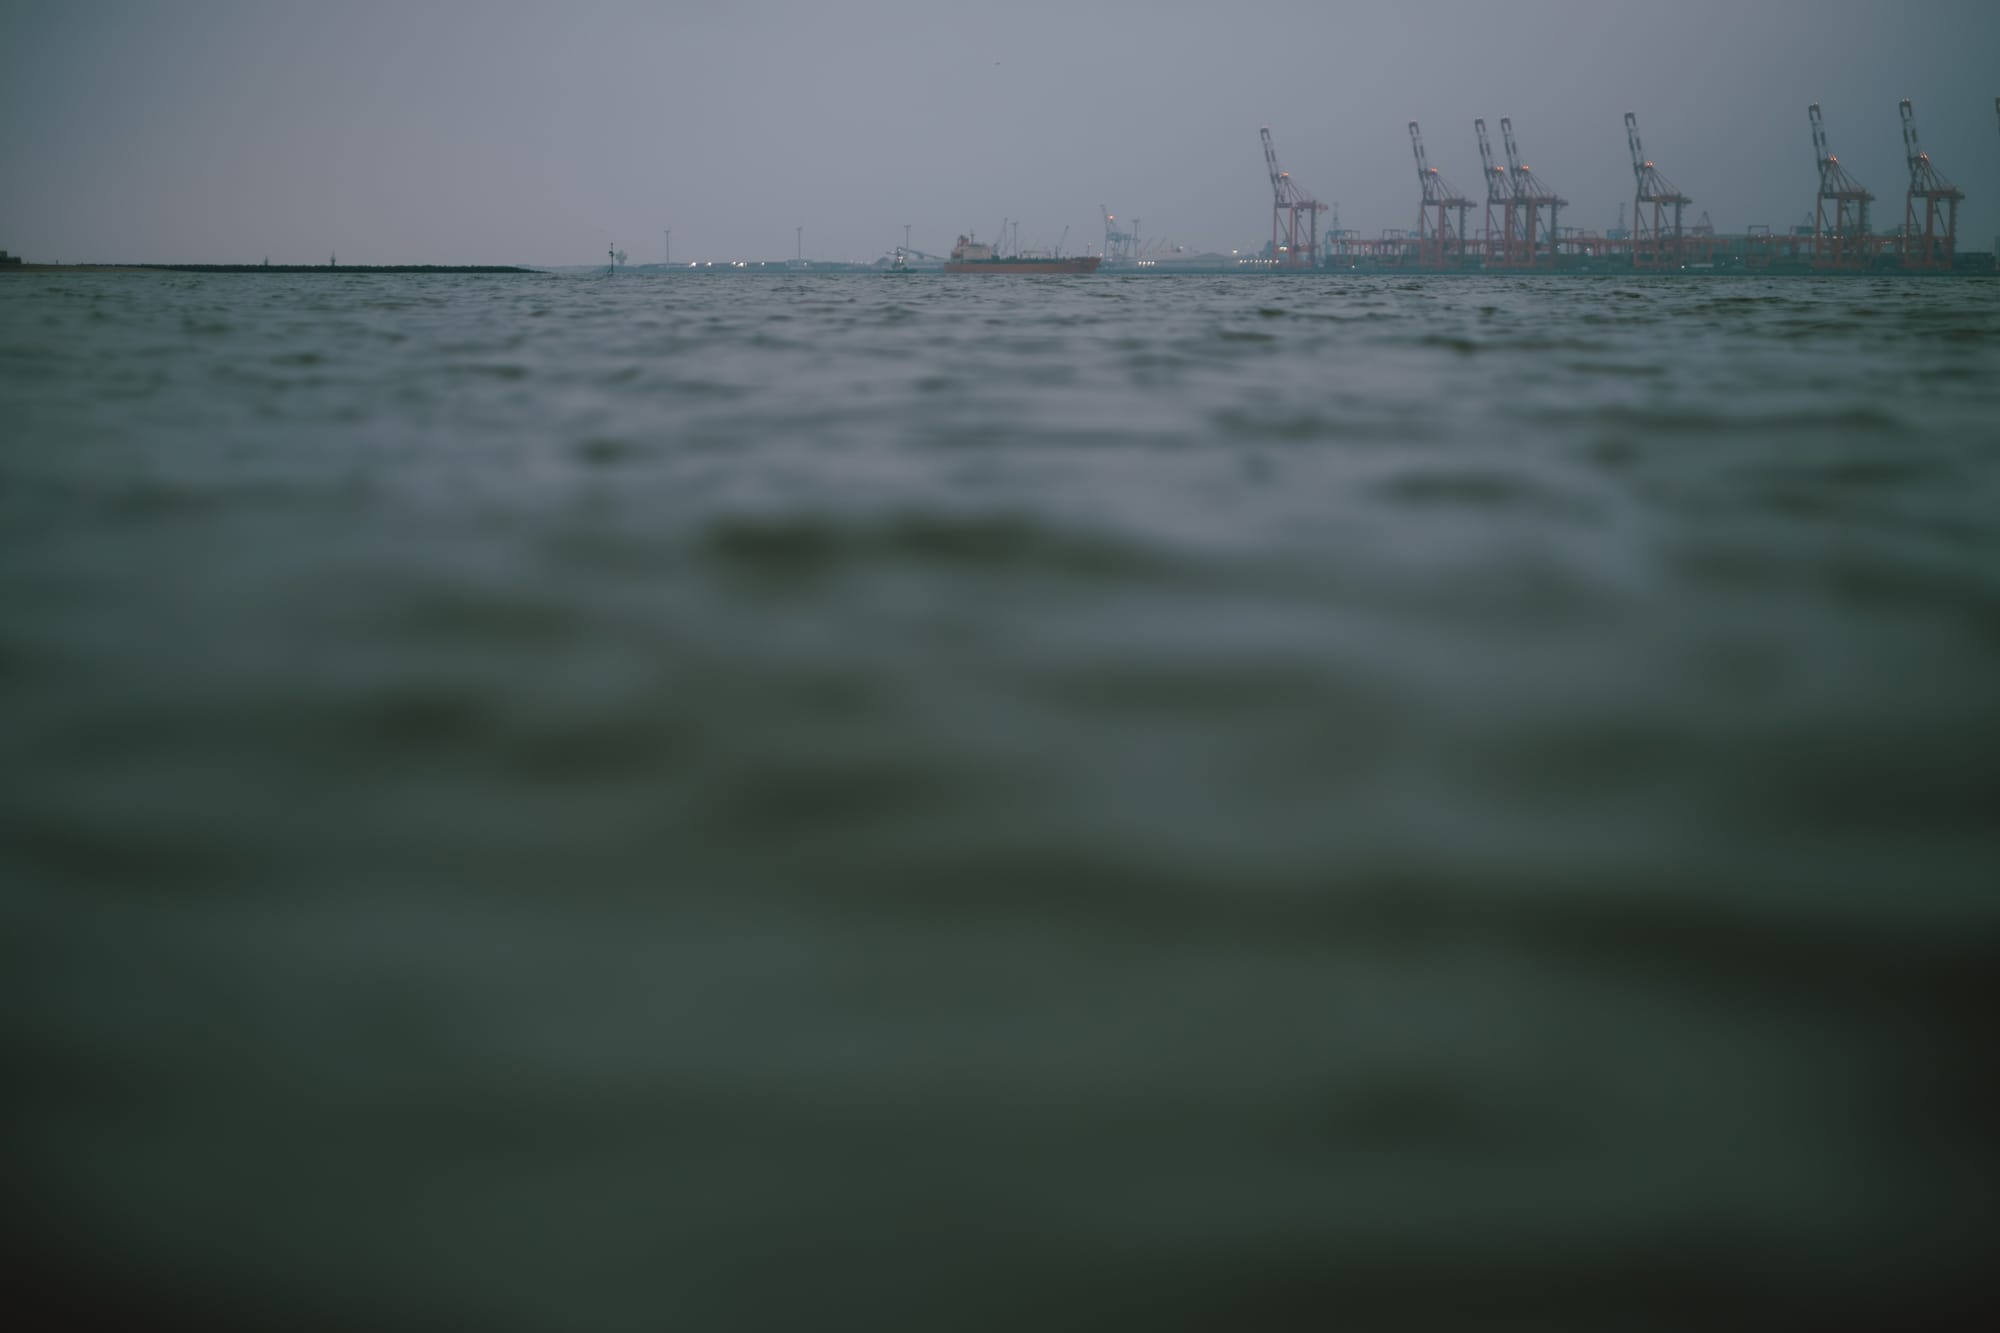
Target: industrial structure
x=1121, y=246
x=1529, y=211
x=1841, y=238
x=1500, y=196
x=1931, y=243
x=1537, y=200
x=1657, y=238
x=1524, y=232
x=1294, y=216
x=1440, y=243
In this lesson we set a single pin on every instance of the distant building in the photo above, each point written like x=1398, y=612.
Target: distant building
x=6, y=258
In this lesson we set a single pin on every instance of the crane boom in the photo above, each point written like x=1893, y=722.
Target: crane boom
x=1417, y=147
x=1513, y=153
x=1925, y=178
x=1638, y=152
x=1821, y=154
x=1271, y=164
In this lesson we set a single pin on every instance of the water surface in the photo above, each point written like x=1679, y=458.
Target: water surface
x=557, y=802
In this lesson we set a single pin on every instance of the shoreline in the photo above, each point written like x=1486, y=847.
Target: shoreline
x=264, y=268
x=1248, y=271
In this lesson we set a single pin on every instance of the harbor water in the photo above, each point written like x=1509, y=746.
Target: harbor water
x=559, y=802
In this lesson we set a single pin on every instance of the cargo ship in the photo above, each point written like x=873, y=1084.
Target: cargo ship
x=969, y=256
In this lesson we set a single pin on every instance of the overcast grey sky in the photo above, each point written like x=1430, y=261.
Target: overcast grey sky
x=489, y=131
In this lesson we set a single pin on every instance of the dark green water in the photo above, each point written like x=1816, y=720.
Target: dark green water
x=555, y=803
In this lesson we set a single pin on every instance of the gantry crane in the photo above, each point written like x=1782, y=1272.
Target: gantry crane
x=1120, y=247
x=1657, y=240
x=1294, y=215
x=1933, y=243
x=1840, y=222
x=1438, y=243
x=1499, y=195
x=1531, y=197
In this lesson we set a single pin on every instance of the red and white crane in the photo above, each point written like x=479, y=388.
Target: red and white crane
x=1840, y=221
x=1930, y=234
x=1535, y=238
x=1499, y=196
x=1439, y=243
x=1657, y=209
x=1294, y=215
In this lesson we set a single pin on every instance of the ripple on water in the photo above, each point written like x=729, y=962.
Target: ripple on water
x=798, y=545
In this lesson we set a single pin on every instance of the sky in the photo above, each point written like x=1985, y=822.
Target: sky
x=490, y=131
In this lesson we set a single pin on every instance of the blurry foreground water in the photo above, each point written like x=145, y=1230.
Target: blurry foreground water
x=565, y=803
